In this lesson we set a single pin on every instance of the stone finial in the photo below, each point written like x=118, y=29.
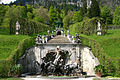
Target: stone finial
x=68, y=32
x=48, y=32
x=38, y=39
x=64, y=33
x=43, y=39
x=17, y=28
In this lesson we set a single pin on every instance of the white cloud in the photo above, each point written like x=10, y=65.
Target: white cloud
x=7, y=1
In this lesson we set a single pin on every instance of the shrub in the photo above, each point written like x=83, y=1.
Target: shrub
x=99, y=68
x=16, y=70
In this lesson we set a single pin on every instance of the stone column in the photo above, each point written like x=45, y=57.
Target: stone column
x=78, y=54
x=37, y=53
x=40, y=52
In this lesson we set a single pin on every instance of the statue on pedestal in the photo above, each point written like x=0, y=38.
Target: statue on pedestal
x=17, y=28
x=99, y=33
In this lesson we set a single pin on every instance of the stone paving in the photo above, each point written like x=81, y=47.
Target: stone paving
x=57, y=79
x=59, y=39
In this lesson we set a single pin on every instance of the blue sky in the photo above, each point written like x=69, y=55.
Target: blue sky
x=7, y=1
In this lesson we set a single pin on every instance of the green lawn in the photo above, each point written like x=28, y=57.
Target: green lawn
x=8, y=43
x=109, y=42
x=10, y=79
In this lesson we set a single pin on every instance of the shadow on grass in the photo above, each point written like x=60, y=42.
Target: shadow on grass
x=109, y=33
x=4, y=31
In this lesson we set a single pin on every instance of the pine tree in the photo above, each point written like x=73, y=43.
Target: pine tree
x=94, y=10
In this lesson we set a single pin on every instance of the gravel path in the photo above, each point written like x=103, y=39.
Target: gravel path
x=59, y=39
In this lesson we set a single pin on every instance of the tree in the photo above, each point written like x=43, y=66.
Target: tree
x=2, y=13
x=6, y=19
x=106, y=14
x=29, y=8
x=29, y=15
x=78, y=17
x=68, y=20
x=53, y=15
x=116, y=16
x=94, y=10
x=41, y=13
x=62, y=14
x=39, y=19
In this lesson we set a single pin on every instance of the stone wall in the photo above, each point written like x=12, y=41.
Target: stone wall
x=89, y=61
x=73, y=50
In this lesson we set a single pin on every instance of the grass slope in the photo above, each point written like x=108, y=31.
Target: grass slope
x=109, y=42
x=8, y=43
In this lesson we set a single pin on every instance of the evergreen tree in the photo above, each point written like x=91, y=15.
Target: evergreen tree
x=94, y=10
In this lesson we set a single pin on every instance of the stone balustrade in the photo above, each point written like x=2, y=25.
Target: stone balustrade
x=44, y=39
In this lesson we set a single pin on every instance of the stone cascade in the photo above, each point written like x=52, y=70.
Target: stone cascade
x=46, y=52
x=43, y=39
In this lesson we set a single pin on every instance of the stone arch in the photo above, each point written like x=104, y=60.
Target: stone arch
x=58, y=32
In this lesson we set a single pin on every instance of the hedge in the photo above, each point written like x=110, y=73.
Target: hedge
x=111, y=65
x=5, y=65
x=27, y=27
x=88, y=26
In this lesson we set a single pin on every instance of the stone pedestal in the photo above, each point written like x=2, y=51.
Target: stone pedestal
x=17, y=33
x=99, y=33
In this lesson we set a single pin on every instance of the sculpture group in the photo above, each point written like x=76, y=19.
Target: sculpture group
x=55, y=64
